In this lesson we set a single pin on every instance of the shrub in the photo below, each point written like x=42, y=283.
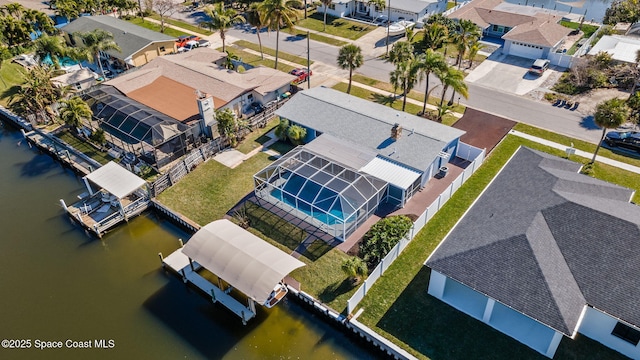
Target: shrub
x=355, y=268
x=382, y=237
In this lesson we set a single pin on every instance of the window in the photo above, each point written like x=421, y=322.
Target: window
x=162, y=49
x=332, y=6
x=626, y=333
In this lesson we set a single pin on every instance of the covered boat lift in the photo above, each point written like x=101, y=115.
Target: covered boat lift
x=243, y=260
x=120, y=195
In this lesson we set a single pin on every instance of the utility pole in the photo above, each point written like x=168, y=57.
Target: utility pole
x=309, y=60
x=388, y=23
x=305, y=9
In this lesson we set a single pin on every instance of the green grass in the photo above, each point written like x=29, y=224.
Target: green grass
x=320, y=38
x=281, y=55
x=322, y=276
x=184, y=25
x=212, y=189
x=413, y=109
x=399, y=308
x=578, y=144
x=257, y=137
x=586, y=28
x=83, y=147
x=12, y=76
x=156, y=27
x=413, y=94
x=252, y=59
x=335, y=26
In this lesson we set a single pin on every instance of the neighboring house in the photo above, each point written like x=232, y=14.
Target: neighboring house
x=621, y=48
x=413, y=10
x=546, y=252
x=527, y=32
x=191, y=85
x=138, y=45
x=358, y=155
x=77, y=80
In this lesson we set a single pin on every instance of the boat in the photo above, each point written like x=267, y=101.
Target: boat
x=400, y=27
x=278, y=293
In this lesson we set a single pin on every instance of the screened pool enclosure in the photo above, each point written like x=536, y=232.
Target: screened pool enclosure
x=156, y=138
x=320, y=191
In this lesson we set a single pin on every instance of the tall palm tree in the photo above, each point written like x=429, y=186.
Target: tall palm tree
x=405, y=76
x=468, y=32
x=221, y=19
x=325, y=4
x=37, y=93
x=52, y=46
x=254, y=18
x=96, y=41
x=74, y=111
x=609, y=114
x=401, y=51
x=278, y=13
x=474, y=47
x=435, y=36
x=350, y=57
x=430, y=62
x=452, y=78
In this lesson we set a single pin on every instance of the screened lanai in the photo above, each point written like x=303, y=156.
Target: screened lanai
x=320, y=191
x=157, y=138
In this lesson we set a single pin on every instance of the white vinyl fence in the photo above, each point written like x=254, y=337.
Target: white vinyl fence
x=474, y=153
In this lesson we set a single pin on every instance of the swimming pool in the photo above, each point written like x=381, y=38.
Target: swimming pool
x=63, y=61
x=327, y=207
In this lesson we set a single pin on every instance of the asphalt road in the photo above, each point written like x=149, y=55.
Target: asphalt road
x=489, y=100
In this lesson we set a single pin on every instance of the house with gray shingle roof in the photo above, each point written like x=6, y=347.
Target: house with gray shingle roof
x=412, y=10
x=546, y=252
x=361, y=145
x=527, y=31
x=138, y=45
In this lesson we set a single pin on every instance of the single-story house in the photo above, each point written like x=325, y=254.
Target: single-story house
x=77, y=80
x=189, y=86
x=546, y=252
x=528, y=33
x=621, y=48
x=358, y=154
x=138, y=45
x=413, y=10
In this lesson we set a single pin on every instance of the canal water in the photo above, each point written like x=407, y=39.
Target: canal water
x=58, y=284
x=592, y=10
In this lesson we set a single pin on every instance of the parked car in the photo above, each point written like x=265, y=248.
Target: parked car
x=624, y=139
x=539, y=66
x=204, y=43
x=381, y=20
x=183, y=40
x=302, y=74
x=257, y=107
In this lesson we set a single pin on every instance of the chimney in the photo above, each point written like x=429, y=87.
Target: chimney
x=396, y=131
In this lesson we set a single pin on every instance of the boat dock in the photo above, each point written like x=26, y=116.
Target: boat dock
x=186, y=268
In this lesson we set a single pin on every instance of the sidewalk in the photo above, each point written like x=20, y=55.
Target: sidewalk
x=581, y=153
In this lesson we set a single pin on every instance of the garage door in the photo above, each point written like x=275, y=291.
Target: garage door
x=526, y=50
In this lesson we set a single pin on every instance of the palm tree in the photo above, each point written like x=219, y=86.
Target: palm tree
x=325, y=4
x=468, y=32
x=74, y=111
x=474, y=47
x=355, y=268
x=401, y=51
x=281, y=129
x=96, y=41
x=296, y=134
x=221, y=19
x=278, y=13
x=37, y=93
x=430, y=61
x=405, y=76
x=610, y=114
x=254, y=18
x=52, y=46
x=350, y=57
x=435, y=36
x=453, y=78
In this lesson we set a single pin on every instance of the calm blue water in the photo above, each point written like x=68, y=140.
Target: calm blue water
x=324, y=201
x=65, y=61
x=595, y=9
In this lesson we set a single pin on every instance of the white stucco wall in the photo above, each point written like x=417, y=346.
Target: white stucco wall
x=598, y=326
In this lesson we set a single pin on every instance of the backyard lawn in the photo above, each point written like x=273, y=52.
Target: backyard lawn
x=398, y=305
x=83, y=147
x=343, y=28
x=257, y=137
x=11, y=74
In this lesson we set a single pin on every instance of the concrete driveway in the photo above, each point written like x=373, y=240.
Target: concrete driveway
x=508, y=74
